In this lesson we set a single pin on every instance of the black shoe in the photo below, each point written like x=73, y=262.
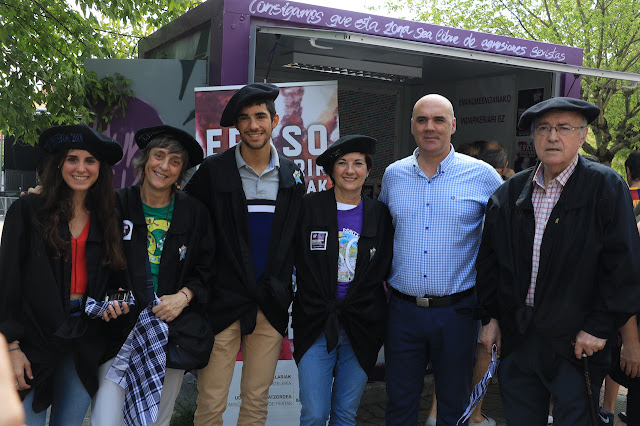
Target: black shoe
x=606, y=417
x=623, y=416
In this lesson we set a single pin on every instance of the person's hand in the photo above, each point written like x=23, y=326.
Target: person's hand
x=630, y=351
x=114, y=310
x=630, y=359
x=37, y=190
x=170, y=306
x=587, y=344
x=12, y=413
x=387, y=290
x=21, y=367
x=491, y=335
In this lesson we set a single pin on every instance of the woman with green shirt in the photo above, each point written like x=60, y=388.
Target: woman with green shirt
x=168, y=246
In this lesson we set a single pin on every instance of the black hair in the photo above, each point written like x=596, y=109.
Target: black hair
x=472, y=149
x=368, y=158
x=57, y=208
x=494, y=154
x=268, y=102
x=633, y=164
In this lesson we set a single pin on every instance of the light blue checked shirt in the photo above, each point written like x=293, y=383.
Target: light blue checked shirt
x=438, y=222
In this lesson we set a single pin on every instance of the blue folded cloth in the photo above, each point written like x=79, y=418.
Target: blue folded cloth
x=480, y=389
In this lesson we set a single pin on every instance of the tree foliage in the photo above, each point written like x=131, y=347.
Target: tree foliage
x=607, y=30
x=43, y=45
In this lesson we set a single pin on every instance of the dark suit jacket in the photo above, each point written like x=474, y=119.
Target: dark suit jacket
x=236, y=295
x=589, y=260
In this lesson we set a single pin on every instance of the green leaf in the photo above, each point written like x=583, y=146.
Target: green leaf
x=43, y=46
x=608, y=31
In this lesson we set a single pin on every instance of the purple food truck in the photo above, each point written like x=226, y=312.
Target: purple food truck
x=382, y=66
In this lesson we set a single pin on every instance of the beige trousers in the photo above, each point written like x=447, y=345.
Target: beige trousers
x=260, y=352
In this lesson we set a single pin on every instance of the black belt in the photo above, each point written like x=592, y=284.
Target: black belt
x=436, y=301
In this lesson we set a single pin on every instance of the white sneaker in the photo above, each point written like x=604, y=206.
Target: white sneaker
x=488, y=421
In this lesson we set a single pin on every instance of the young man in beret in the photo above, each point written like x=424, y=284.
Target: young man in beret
x=557, y=270
x=253, y=195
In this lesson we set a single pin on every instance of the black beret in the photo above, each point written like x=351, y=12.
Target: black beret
x=243, y=96
x=193, y=148
x=587, y=109
x=80, y=136
x=345, y=145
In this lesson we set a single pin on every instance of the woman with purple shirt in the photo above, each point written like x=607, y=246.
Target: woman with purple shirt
x=344, y=248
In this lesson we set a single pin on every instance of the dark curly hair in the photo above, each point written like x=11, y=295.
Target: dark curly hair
x=57, y=208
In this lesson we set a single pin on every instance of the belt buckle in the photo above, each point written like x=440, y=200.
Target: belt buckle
x=423, y=302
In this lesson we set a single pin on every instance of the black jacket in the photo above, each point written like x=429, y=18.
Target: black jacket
x=34, y=299
x=190, y=234
x=236, y=294
x=589, y=260
x=363, y=311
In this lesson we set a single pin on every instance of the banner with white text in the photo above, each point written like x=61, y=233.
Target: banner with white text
x=308, y=124
x=485, y=110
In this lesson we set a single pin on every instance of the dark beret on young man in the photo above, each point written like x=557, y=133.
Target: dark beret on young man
x=244, y=96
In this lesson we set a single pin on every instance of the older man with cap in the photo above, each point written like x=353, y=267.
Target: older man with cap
x=253, y=195
x=557, y=270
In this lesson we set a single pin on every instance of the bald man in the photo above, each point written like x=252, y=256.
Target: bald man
x=437, y=200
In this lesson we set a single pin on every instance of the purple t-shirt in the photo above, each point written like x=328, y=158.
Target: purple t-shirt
x=349, y=228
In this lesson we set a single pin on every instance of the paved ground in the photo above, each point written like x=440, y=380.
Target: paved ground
x=372, y=405
x=373, y=401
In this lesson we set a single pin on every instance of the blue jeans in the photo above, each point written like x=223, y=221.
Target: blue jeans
x=70, y=398
x=331, y=384
x=446, y=336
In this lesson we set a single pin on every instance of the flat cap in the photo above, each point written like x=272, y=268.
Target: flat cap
x=345, y=145
x=587, y=109
x=245, y=95
x=193, y=148
x=80, y=136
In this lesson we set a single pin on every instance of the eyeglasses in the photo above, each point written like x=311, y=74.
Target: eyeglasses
x=561, y=130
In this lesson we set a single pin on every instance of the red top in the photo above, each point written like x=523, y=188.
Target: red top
x=79, y=261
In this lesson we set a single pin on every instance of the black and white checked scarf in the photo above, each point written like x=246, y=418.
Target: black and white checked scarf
x=94, y=309
x=139, y=368
x=481, y=387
